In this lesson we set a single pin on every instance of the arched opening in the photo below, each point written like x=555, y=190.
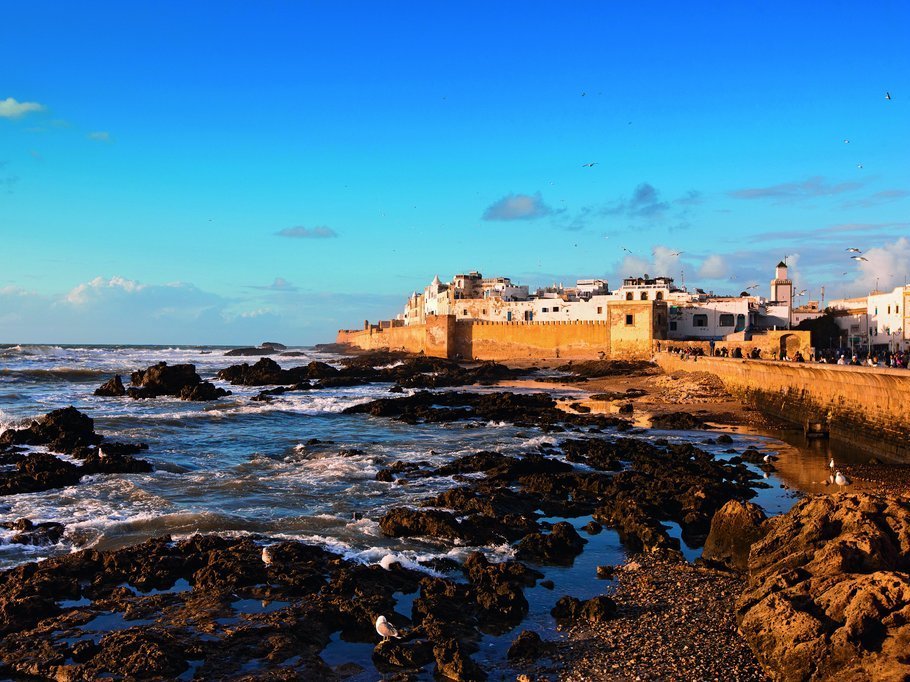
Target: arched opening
x=659, y=296
x=629, y=296
x=644, y=295
x=789, y=344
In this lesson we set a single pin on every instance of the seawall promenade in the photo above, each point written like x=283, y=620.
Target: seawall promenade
x=867, y=407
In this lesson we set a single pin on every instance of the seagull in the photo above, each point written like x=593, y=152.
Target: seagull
x=101, y=454
x=853, y=249
x=887, y=95
x=589, y=165
x=386, y=629
x=677, y=253
x=863, y=258
x=860, y=166
x=846, y=141
x=767, y=459
x=751, y=286
x=267, y=556
x=840, y=479
x=802, y=293
x=831, y=463
x=627, y=251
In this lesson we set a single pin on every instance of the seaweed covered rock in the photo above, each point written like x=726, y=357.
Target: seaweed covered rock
x=63, y=430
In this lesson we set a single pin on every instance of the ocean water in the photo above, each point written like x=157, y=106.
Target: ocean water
x=235, y=466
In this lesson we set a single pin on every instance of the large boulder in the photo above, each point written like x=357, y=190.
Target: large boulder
x=113, y=388
x=180, y=381
x=734, y=529
x=560, y=546
x=828, y=596
x=63, y=430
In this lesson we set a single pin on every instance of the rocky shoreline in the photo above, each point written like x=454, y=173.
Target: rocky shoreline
x=255, y=609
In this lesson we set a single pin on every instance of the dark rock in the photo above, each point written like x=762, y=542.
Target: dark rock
x=180, y=381
x=202, y=391
x=593, y=369
x=273, y=345
x=605, y=572
x=62, y=430
x=593, y=528
x=111, y=388
x=399, y=654
x=48, y=533
x=724, y=438
x=250, y=351
x=560, y=546
x=734, y=529
x=547, y=584
x=527, y=646
x=453, y=662
x=677, y=421
x=595, y=610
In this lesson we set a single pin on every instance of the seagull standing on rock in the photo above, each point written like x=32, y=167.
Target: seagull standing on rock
x=831, y=463
x=386, y=629
x=840, y=479
x=267, y=556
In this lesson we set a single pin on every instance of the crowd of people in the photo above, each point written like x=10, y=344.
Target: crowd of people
x=897, y=359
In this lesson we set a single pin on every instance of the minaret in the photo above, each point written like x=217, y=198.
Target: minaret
x=782, y=289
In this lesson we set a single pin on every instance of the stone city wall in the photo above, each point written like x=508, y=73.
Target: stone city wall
x=444, y=336
x=865, y=407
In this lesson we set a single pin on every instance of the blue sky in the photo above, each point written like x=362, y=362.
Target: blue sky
x=227, y=172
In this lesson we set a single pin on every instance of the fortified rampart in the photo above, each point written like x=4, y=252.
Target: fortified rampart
x=629, y=331
x=866, y=407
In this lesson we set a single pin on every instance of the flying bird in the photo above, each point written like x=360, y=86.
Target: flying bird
x=801, y=293
x=627, y=251
x=860, y=166
x=589, y=165
x=386, y=629
x=853, y=249
x=846, y=141
x=677, y=253
x=887, y=95
x=862, y=258
x=752, y=286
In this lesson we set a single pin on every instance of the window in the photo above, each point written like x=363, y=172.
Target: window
x=699, y=320
x=509, y=316
x=659, y=296
x=672, y=325
x=484, y=311
x=660, y=319
x=889, y=309
x=600, y=310
x=630, y=320
x=644, y=295
x=556, y=309
x=726, y=320
x=629, y=296
x=740, y=322
x=544, y=310
x=464, y=311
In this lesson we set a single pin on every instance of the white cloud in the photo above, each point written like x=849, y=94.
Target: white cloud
x=11, y=108
x=99, y=136
x=886, y=267
x=99, y=287
x=714, y=267
x=517, y=207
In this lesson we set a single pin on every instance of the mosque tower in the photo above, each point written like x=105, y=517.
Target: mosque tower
x=782, y=288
